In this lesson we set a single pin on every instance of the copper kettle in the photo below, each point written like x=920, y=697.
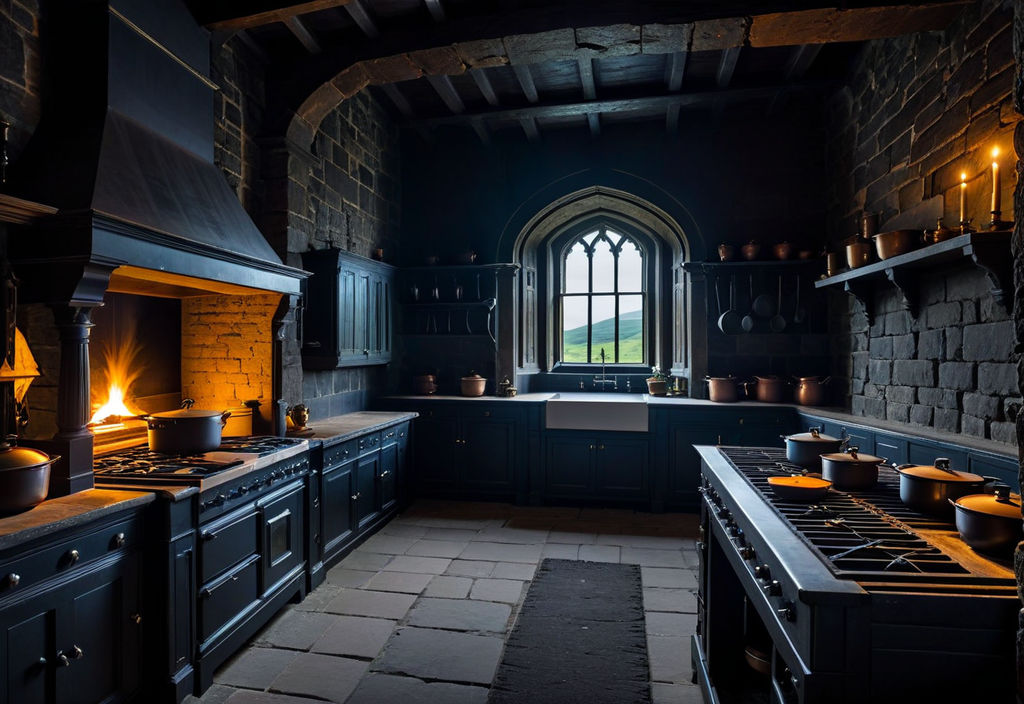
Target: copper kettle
x=810, y=390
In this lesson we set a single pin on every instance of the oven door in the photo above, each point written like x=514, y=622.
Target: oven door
x=282, y=548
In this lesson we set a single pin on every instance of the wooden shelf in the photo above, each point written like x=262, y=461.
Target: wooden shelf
x=487, y=304
x=989, y=251
x=770, y=266
x=458, y=268
x=21, y=212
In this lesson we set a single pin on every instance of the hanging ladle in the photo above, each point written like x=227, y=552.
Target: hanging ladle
x=778, y=323
x=748, y=320
x=729, y=321
x=799, y=314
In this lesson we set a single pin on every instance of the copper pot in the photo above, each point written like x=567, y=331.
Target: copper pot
x=750, y=250
x=783, y=250
x=473, y=385
x=941, y=233
x=726, y=252
x=425, y=384
x=858, y=254
x=722, y=389
x=810, y=390
x=832, y=263
x=896, y=242
x=770, y=389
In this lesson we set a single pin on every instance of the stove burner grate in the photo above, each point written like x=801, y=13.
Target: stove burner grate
x=141, y=462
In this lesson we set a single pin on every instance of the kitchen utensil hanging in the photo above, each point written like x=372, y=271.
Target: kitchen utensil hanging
x=799, y=314
x=778, y=322
x=748, y=320
x=762, y=306
x=729, y=322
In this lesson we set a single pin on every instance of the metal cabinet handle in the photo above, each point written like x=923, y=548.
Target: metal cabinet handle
x=62, y=660
x=366, y=352
x=385, y=473
x=591, y=448
x=13, y=579
x=206, y=593
x=73, y=556
x=42, y=662
x=119, y=540
x=76, y=653
x=135, y=618
x=316, y=502
x=355, y=497
x=600, y=447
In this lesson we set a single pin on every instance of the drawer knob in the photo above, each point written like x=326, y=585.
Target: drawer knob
x=136, y=619
x=316, y=503
x=73, y=556
x=119, y=540
x=75, y=653
x=13, y=579
x=355, y=497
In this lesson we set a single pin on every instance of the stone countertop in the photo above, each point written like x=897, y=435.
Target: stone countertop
x=340, y=428
x=66, y=512
x=528, y=398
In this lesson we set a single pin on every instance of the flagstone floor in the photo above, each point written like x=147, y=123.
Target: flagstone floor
x=419, y=613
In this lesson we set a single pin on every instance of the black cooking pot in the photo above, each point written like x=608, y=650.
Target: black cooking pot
x=806, y=449
x=186, y=431
x=24, y=476
x=930, y=489
x=850, y=471
x=990, y=523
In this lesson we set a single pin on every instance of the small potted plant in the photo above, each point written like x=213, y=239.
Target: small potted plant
x=657, y=382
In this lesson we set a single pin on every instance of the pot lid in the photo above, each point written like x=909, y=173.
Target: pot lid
x=852, y=455
x=187, y=413
x=1002, y=504
x=812, y=435
x=800, y=482
x=12, y=457
x=939, y=472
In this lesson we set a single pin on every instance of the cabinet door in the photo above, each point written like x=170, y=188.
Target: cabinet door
x=622, y=468
x=380, y=330
x=367, y=470
x=684, y=462
x=434, y=468
x=347, y=313
x=29, y=648
x=488, y=458
x=387, y=479
x=337, y=508
x=570, y=466
x=100, y=637
x=282, y=538
x=362, y=316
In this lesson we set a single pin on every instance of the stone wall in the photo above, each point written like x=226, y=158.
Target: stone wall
x=20, y=66
x=918, y=110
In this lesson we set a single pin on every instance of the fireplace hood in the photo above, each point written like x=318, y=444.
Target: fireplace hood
x=124, y=150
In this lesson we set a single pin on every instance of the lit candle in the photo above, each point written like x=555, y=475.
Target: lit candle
x=995, y=180
x=963, y=191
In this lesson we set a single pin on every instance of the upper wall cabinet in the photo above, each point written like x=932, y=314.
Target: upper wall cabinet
x=348, y=311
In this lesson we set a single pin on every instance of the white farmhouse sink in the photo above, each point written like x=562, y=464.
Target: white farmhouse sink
x=597, y=411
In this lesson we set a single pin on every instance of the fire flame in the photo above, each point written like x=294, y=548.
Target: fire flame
x=119, y=372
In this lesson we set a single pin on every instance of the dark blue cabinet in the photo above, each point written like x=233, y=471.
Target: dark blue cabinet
x=611, y=466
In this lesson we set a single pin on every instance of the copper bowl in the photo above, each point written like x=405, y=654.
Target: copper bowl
x=858, y=254
x=726, y=252
x=750, y=250
x=783, y=250
x=473, y=385
x=896, y=242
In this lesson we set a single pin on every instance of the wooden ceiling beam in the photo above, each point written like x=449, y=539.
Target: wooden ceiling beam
x=675, y=70
x=446, y=89
x=362, y=18
x=303, y=34
x=529, y=125
x=525, y=78
x=239, y=14
x=436, y=9
x=586, y=65
x=656, y=103
x=727, y=66
x=484, y=84
x=800, y=60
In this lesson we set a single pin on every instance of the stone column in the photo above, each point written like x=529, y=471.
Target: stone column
x=505, y=323
x=285, y=363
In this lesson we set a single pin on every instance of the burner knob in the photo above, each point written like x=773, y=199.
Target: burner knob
x=218, y=500
x=723, y=513
x=747, y=552
x=773, y=588
x=243, y=490
x=735, y=531
x=788, y=611
x=762, y=572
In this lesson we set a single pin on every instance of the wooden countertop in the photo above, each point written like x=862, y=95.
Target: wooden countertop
x=58, y=514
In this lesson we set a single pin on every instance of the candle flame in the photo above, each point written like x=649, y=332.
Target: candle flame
x=963, y=179
x=995, y=152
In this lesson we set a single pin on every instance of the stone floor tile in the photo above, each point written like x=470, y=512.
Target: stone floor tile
x=344, y=577
x=404, y=530
x=563, y=535
x=509, y=591
x=662, y=693
x=460, y=615
x=446, y=587
x=437, y=548
x=470, y=568
x=599, y=553
x=321, y=676
x=216, y=694
x=501, y=552
x=379, y=688
x=668, y=577
x=608, y=515
x=657, y=542
x=254, y=668
x=355, y=636
x=660, y=623
x=294, y=630
x=422, y=565
x=561, y=551
x=648, y=557
x=361, y=602
x=441, y=655
x=669, y=658
x=242, y=696
x=365, y=560
x=520, y=536
x=406, y=582
x=514, y=570
x=458, y=535
x=387, y=544
x=319, y=598
x=677, y=600
x=457, y=523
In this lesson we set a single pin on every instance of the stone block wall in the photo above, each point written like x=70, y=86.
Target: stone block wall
x=918, y=110
x=20, y=68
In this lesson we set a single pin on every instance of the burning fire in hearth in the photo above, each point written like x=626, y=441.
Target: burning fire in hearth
x=119, y=372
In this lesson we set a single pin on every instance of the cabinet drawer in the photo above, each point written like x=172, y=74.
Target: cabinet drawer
x=342, y=452
x=67, y=555
x=224, y=543
x=394, y=434
x=222, y=600
x=282, y=536
x=369, y=442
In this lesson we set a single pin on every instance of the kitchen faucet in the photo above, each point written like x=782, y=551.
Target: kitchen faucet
x=604, y=380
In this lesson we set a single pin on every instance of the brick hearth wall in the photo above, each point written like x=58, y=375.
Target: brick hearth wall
x=917, y=111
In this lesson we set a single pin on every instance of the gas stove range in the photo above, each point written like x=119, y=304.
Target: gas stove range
x=858, y=597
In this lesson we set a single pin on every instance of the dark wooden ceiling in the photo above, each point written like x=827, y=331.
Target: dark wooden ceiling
x=787, y=48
